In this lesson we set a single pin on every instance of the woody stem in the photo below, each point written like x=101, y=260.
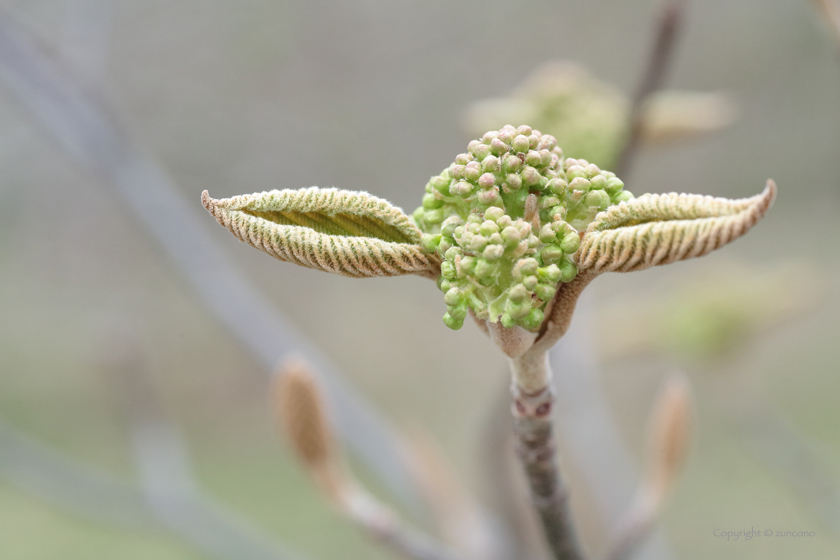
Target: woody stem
x=533, y=399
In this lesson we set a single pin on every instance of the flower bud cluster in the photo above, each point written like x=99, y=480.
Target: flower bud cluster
x=505, y=218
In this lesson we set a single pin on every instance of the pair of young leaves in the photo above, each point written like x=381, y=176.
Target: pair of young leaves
x=360, y=235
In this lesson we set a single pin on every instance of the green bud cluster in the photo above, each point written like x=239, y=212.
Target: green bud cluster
x=506, y=218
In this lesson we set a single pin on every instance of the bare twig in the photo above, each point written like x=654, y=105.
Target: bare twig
x=303, y=416
x=667, y=31
x=82, y=120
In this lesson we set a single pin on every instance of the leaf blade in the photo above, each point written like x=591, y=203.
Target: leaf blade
x=342, y=232
x=654, y=230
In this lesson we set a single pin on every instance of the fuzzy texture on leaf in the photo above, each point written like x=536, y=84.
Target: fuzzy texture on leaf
x=660, y=229
x=344, y=232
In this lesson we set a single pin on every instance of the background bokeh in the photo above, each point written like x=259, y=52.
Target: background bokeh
x=246, y=96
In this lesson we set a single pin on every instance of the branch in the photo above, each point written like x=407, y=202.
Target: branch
x=660, y=57
x=303, y=416
x=538, y=452
x=83, y=121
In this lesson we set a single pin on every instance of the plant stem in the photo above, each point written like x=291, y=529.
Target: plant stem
x=533, y=399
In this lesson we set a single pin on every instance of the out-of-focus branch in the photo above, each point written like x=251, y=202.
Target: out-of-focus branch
x=669, y=439
x=461, y=521
x=587, y=428
x=830, y=10
x=84, y=122
x=101, y=497
x=71, y=485
x=303, y=416
x=667, y=31
x=167, y=481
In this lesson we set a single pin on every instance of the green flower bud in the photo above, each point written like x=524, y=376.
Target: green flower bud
x=598, y=182
x=550, y=274
x=547, y=142
x=468, y=265
x=517, y=310
x=533, y=158
x=623, y=196
x=549, y=201
x=447, y=270
x=506, y=136
x=443, y=284
x=449, y=225
x=545, y=291
x=530, y=176
x=570, y=242
x=545, y=156
x=513, y=181
x=495, y=239
x=485, y=269
x=511, y=237
x=568, y=271
x=462, y=189
x=459, y=311
x=574, y=172
x=521, y=144
x=433, y=216
x=457, y=171
x=597, y=199
x=490, y=197
x=491, y=164
x=504, y=222
x=481, y=152
x=511, y=163
x=518, y=293
x=430, y=202
x=507, y=321
x=453, y=252
x=533, y=140
x=418, y=215
x=452, y=322
x=453, y=296
x=592, y=170
x=489, y=136
x=493, y=252
x=488, y=228
x=580, y=184
x=472, y=171
x=487, y=181
x=493, y=214
x=530, y=282
x=429, y=242
x=463, y=159
x=524, y=130
x=558, y=186
x=534, y=319
x=614, y=185
x=478, y=243
x=551, y=254
x=497, y=147
x=528, y=267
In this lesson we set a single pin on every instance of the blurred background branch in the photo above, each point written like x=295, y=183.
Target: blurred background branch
x=79, y=117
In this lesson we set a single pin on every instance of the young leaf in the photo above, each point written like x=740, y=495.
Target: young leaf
x=344, y=232
x=660, y=229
